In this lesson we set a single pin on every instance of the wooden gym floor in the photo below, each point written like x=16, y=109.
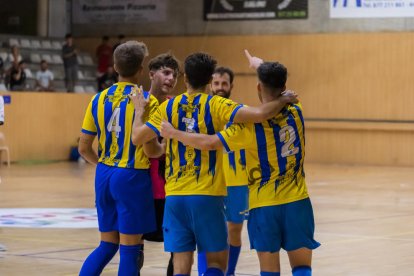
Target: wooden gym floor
x=364, y=220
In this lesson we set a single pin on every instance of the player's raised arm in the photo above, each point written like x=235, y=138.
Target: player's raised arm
x=267, y=110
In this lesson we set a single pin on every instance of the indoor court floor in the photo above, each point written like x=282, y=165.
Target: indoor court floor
x=364, y=221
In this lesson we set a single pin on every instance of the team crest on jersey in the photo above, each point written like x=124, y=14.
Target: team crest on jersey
x=189, y=124
x=189, y=108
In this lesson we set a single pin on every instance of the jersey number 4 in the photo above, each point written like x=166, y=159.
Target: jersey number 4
x=113, y=124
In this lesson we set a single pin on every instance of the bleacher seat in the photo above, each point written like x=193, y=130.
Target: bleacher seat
x=13, y=41
x=25, y=43
x=57, y=59
x=46, y=44
x=4, y=56
x=28, y=73
x=90, y=89
x=80, y=75
x=88, y=75
x=57, y=45
x=36, y=44
x=87, y=60
x=47, y=57
x=35, y=58
x=58, y=74
x=79, y=89
x=80, y=60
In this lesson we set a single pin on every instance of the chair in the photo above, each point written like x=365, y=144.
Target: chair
x=29, y=73
x=79, y=89
x=80, y=60
x=13, y=41
x=56, y=45
x=36, y=44
x=35, y=58
x=46, y=44
x=25, y=43
x=90, y=89
x=87, y=60
x=5, y=148
x=4, y=56
x=57, y=59
x=80, y=75
x=47, y=58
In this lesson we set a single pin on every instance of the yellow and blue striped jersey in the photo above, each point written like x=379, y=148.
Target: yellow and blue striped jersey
x=191, y=171
x=275, y=151
x=110, y=114
x=234, y=167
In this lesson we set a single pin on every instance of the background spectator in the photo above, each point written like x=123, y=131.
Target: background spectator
x=106, y=80
x=44, y=78
x=104, y=55
x=70, y=63
x=18, y=76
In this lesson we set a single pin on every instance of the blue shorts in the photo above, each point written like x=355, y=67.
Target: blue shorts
x=124, y=200
x=236, y=203
x=194, y=220
x=289, y=226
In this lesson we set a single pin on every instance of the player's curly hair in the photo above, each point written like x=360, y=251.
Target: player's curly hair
x=164, y=60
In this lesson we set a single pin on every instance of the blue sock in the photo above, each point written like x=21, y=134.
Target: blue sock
x=213, y=271
x=302, y=270
x=234, y=253
x=129, y=259
x=265, y=273
x=202, y=263
x=98, y=259
x=140, y=261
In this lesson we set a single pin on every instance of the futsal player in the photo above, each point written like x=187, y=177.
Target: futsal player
x=163, y=73
x=234, y=168
x=123, y=194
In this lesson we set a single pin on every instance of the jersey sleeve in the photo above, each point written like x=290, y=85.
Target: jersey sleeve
x=156, y=114
x=236, y=137
x=89, y=126
x=225, y=107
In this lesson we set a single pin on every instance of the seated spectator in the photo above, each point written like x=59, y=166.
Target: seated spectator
x=106, y=80
x=104, y=55
x=44, y=78
x=18, y=76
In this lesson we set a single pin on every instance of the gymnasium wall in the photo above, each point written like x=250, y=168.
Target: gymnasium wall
x=43, y=126
x=185, y=17
x=356, y=91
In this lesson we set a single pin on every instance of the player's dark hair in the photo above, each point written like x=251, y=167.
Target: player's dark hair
x=199, y=68
x=128, y=57
x=273, y=75
x=225, y=70
x=164, y=60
